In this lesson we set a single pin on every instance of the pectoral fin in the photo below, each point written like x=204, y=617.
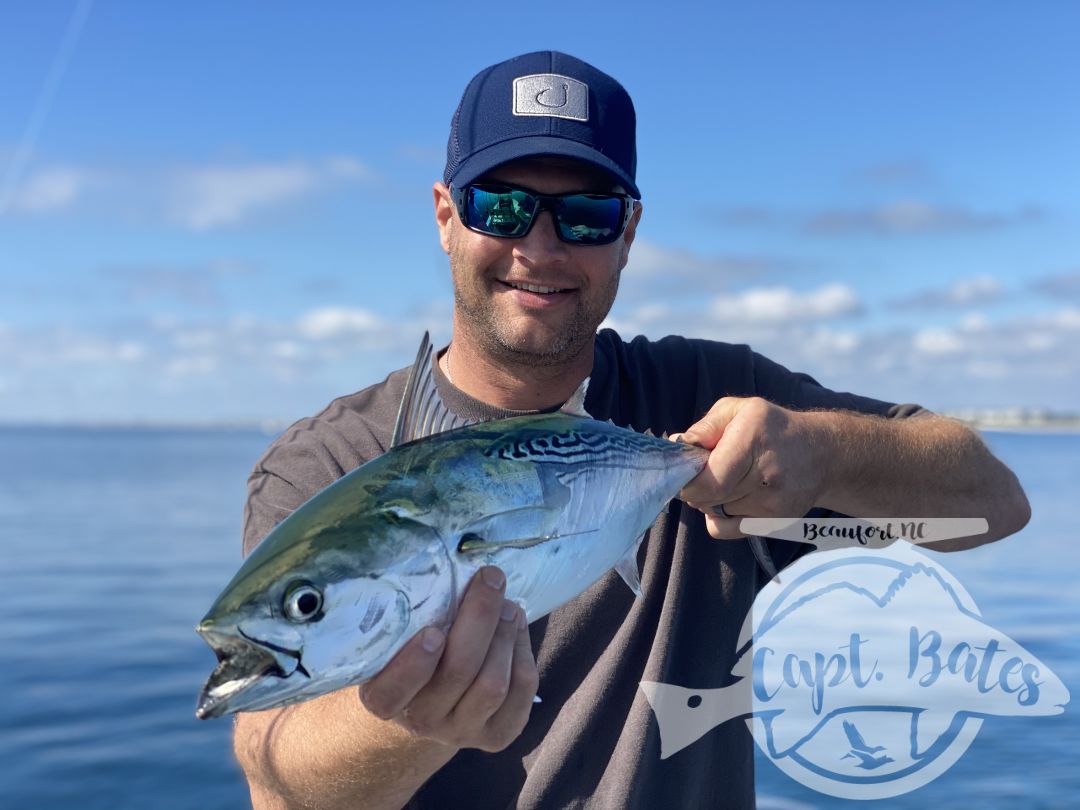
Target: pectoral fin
x=470, y=541
x=627, y=567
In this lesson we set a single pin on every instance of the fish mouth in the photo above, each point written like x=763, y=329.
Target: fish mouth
x=243, y=661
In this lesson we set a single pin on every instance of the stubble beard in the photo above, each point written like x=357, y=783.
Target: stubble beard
x=495, y=333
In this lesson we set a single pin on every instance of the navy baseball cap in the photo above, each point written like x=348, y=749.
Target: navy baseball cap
x=543, y=103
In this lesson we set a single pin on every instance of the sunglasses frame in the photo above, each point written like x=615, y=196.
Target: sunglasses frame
x=545, y=202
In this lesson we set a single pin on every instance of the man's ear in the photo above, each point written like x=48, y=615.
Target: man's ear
x=629, y=234
x=444, y=213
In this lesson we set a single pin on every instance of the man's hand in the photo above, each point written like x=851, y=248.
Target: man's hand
x=764, y=463
x=768, y=461
x=471, y=688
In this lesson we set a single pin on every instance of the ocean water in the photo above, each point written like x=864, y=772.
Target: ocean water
x=114, y=542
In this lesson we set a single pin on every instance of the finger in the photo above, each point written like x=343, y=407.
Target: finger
x=723, y=528
x=707, y=431
x=386, y=694
x=509, y=721
x=467, y=647
x=488, y=691
x=726, y=476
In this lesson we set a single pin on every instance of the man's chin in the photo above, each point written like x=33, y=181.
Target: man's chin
x=544, y=344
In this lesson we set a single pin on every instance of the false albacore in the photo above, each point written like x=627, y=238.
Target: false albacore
x=556, y=500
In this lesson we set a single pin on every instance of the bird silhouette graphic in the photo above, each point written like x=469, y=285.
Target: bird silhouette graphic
x=863, y=752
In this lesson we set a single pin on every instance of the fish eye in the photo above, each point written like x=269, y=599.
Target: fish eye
x=303, y=602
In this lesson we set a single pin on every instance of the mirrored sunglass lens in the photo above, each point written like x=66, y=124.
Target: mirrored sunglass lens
x=590, y=219
x=504, y=213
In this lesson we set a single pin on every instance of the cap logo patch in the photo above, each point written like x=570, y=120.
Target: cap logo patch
x=552, y=95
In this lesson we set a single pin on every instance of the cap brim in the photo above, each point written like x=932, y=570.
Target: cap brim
x=497, y=154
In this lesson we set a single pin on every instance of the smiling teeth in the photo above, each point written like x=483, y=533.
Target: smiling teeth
x=534, y=288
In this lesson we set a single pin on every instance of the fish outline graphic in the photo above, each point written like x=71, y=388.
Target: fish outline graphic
x=839, y=627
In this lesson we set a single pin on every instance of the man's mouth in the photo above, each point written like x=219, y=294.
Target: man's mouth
x=536, y=288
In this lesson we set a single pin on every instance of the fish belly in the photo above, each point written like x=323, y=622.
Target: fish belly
x=608, y=511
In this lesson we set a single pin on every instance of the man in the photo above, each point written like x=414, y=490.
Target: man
x=538, y=213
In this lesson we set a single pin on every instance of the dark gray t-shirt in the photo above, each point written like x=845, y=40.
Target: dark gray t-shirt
x=593, y=741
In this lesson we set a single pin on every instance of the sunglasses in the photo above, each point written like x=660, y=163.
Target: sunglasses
x=581, y=218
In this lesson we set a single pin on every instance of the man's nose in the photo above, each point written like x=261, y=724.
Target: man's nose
x=541, y=244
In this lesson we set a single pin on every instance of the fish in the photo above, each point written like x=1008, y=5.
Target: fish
x=886, y=633
x=556, y=500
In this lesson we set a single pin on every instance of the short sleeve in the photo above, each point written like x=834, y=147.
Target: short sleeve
x=294, y=468
x=798, y=391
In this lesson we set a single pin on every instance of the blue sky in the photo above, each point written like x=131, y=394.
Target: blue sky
x=222, y=211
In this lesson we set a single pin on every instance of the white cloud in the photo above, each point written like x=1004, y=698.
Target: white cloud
x=894, y=218
x=1060, y=286
x=658, y=269
x=333, y=322
x=189, y=340
x=347, y=168
x=1039, y=341
x=974, y=322
x=1068, y=319
x=286, y=350
x=896, y=172
x=196, y=284
x=197, y=197
x=211, y=197
x=824, y=341
x=197, y=365
x=964, y=293
x=988, y=369
x=975, y=290
x=50, y=190
x=67, y=348
x=779, y=304
x=914, y=217
x=650, y=259
x=936, y=341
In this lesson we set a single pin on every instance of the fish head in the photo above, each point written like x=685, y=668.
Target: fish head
x=310, y=615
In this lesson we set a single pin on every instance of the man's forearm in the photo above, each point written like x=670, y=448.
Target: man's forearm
x=923, y=466
x=332, y=753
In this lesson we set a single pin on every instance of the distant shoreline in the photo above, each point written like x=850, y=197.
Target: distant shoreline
x=1017, y=419
x=267, y=428
x=1062, y=425
x=1048, y=428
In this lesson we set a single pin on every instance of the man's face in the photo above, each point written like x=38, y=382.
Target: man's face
x=492, y=305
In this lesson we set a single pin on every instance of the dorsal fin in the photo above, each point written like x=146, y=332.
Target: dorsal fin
x=422, y=411
x=575, y=406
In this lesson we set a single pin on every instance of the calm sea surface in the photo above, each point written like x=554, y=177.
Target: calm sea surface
x=115, y=542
